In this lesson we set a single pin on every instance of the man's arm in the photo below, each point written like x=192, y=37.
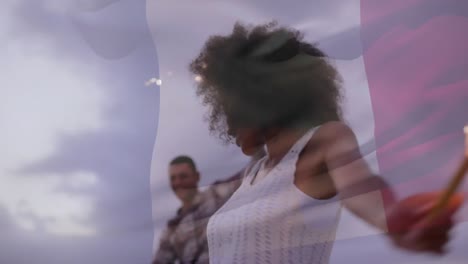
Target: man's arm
x=166, y=253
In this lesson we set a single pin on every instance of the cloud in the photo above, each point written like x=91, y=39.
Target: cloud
x=75, y=179
x=44, y=96
x=34, y=202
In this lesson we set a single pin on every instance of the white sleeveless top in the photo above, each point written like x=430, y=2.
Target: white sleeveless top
x=272, y=221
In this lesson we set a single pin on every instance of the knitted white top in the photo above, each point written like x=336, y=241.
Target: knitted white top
x=272, y=221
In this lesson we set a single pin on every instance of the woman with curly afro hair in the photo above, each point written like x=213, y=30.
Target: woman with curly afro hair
x=267, y=88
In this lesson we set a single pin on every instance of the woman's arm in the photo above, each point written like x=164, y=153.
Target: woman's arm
x=364, y=194
x=406, y=221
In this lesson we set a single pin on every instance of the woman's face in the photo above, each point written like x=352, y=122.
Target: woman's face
x=249, y=140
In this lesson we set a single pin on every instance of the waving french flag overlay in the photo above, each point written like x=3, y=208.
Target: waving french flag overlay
x=416, y=68
x=415, y=60
x=404, y=69
x=77, y=131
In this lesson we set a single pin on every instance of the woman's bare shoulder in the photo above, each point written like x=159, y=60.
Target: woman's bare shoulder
x=333, y=131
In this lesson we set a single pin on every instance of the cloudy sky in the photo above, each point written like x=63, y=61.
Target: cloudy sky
x=85, y=143
x=78, y=132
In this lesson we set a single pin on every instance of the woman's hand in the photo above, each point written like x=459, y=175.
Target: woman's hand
x=411, y=228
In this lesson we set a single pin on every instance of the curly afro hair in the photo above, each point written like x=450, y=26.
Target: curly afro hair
x=265, y=76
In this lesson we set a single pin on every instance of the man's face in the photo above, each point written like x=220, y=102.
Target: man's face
x=184, y=180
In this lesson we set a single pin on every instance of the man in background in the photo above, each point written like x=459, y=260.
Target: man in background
x=184, y=239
